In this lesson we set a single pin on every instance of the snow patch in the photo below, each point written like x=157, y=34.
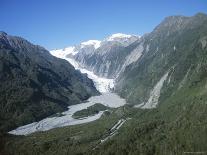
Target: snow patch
x=118, y=36
x=95, y=43
x=61, y=53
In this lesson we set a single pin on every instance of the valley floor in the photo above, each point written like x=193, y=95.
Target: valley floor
x=66, y=119
x=147, y=132
x=106, y=98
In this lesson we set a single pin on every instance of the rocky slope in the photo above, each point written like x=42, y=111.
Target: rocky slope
x=34, y=84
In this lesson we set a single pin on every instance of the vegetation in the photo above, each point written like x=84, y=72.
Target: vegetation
x=76, y=139
x=92, y=110
x=34, y=84
x=175, y=46
x=178, y=125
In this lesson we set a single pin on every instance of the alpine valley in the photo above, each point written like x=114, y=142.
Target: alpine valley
x=125, y=94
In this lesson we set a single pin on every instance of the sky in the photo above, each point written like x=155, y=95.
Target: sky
x=57, y=24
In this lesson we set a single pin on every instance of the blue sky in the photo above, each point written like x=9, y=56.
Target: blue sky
x=60, y=23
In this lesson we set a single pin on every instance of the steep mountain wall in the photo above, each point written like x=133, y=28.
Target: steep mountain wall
x=34, y=84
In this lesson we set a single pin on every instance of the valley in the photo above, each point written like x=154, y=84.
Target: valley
x=106, y=98
x=125, y=94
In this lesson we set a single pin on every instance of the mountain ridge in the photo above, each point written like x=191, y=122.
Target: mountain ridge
x=164, y=78
x=165, y=50
x=93, y=58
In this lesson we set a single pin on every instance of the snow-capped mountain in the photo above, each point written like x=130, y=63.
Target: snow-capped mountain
x=61, y=53
x=117, y=36
x=95, y=43
x=101, y=57
x=124, y=39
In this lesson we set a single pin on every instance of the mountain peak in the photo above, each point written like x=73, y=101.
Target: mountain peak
x=171, y=24
x=175, y=23
x=172, y=20
x=118, y=36
x=95, y=43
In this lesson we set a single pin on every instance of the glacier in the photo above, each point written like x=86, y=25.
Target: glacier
x=103, y=85
x=106, y=98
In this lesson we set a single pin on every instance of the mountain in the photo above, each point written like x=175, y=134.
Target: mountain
x=164, y=80
x=142, y=65
x=35, y=84
x=173, y=59
x=104, y=58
